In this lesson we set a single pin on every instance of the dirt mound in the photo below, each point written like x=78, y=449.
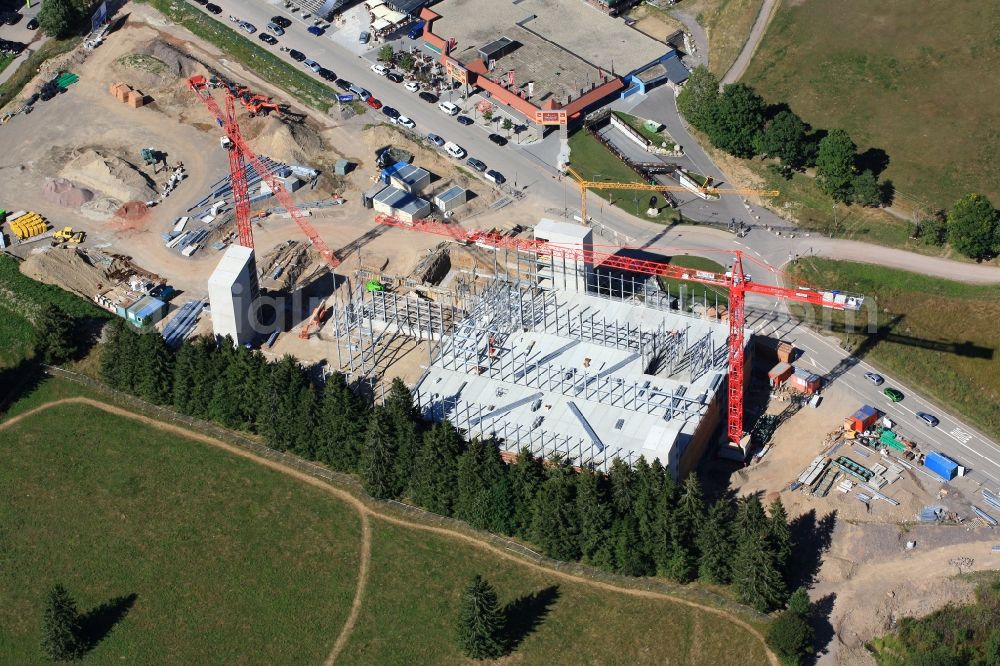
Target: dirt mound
x=110, y=175
x=61, y=191
x=174, y=61
x=132, y=214
x=101, y=209
x=66, y=268
x=286, y=142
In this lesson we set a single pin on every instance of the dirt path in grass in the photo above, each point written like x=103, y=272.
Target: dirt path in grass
x=365, y=512
x=739, y=67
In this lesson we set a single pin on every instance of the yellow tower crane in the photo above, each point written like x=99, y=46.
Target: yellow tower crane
x=607, y=185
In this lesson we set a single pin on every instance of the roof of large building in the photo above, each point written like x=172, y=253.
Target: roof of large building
x=555, y=42
x=578, y=381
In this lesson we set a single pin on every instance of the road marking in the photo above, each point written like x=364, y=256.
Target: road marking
x=960, y=435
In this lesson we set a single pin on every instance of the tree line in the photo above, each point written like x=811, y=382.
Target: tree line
x=635, y=521
x=738, y=121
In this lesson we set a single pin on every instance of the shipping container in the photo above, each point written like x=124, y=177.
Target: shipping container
x=779, y=373
x=864, y=418
x=941, y=465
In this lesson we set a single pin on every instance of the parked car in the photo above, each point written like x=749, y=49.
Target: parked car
x=497, y=139
x=275, y=28
x=213, y=8
x=929, y=419
x=874, y=378
x=435, y=139
x=405, y=122
x=12, y=18
x=455, y=150
x=315, y=30
x=313, y=65
x=267, y=39
x=364, y=37
x=200, y=2
x=281, y=21
x=478, y=165
x=380, y=69
x=327, y=74
x=395, y=77
x=465, y=120
x=248, y=27
x=32, y=24
x=495, y=177
x=390, y=112
x=297, y=56
x=360, y=92
x=430, y=98
x=894, y=395
x=344, y=84
x=412, y=86
x=416, y=30
x=449, y=108
x=374, y=103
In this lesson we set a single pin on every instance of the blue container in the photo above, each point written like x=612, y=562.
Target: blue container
x=941, y=465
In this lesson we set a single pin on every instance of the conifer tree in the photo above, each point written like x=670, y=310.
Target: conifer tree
x=288, y=408
x=780, y=536
x=208, y=368
x=596, y=520
x=648, y=486
x=185, y=366
x=622, y=486
x=55, y=340
x=555, y=524
x=665, y=506
x=629, y=560
x=378, y=458
x=434, y=482
x=405, y=422
x=480, y=622
x=750, y=518
x=526, y=478
x=756, y=577
x=340, y=425
x=484, y=492
x=715, y=544
x=687, y=519
x=61, y=626
x=155, y=371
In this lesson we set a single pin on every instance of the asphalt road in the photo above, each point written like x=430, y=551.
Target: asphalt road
x=529, y=168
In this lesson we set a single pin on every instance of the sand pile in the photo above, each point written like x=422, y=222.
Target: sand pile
x=109, y=175
x=61, y=191
x=66, y=268
x=176, y=62
x=287, y=142
x=132, y=212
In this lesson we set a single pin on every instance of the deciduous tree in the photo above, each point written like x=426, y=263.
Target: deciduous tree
x=787, y=138
x=974, y=227
x=698, y=99
x=58, y=18
x=835, y=165
x=791, y=635
x=738, y=120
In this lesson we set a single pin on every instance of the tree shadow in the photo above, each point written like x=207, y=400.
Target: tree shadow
x=523, y=615
x=874, y=159
x=812, y=538
x=98, y=622
x=819, y=618
x=18, y=381
x=886, y=192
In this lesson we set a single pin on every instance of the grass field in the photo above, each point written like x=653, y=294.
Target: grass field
x=226, y=558
x=260, y=60
x=696, y=292
x=939, y=336
x=593, y=161
x=230, y=559
x=414, y=624
x=921, y=85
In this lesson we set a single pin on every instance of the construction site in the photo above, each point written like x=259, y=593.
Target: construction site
x=185, y=195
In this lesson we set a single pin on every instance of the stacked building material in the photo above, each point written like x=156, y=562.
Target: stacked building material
x=26, y=225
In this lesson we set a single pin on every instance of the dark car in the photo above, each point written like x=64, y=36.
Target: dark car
x=327, y=74
x=465, y=120
x=496, y=177
x=32, y=24
x=478, y=165
x=395, y=77
x=297, y=56
x=430, y=98
x=315, y=30
x=279, y=20
x=267, y=39
x=200, y=2
x=344, y=84
x=497, y=139
x=213, y=8
x=390, y=112
x=12, y=18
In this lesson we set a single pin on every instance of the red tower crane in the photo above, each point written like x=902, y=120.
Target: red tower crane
x=735, y=282
x=239, y=155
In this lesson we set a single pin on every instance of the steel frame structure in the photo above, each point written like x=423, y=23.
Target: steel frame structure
x=239, y=154
x=734, y=282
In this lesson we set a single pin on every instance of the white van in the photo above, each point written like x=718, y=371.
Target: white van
x=380, y=69
x=455, y=150
x=449, y=108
